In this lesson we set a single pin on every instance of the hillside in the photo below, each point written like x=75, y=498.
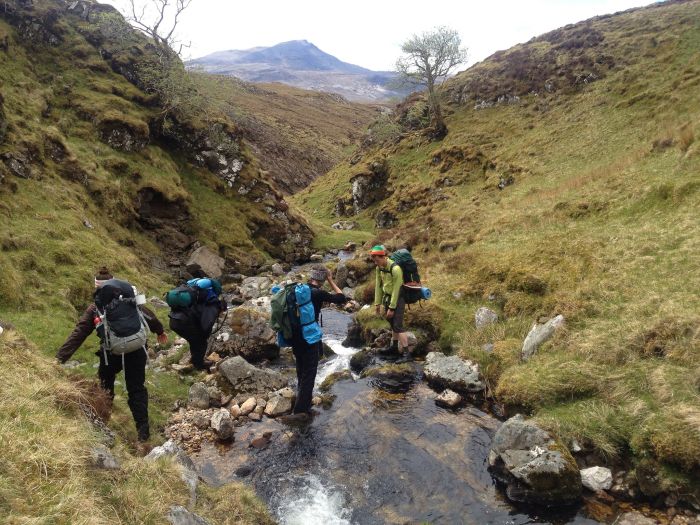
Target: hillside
x=95, y=170
x=301, y=64
x=296, y=134
x=567, y=184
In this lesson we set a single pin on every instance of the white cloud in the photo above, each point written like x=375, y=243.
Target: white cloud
x=369, y=33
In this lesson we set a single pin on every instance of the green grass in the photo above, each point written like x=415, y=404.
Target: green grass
x=600, y=225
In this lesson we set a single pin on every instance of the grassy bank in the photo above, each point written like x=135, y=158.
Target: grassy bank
x=47, y=472
x=595, y=218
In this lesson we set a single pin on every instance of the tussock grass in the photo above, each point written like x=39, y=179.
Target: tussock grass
x=45, y=458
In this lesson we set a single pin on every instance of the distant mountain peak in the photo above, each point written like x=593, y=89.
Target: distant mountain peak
x=302, y=64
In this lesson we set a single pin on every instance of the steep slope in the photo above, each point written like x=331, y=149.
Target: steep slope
x=300, y=63
x=568, y=184
x=297, y=135
x=94, y=169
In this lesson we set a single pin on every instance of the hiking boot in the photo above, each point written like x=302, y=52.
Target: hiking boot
x=144, y=432
x=391, y=350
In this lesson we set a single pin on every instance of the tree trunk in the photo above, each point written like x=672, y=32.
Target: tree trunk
x=439, y=128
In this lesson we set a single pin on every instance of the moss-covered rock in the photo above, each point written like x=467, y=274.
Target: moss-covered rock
x=332, y=379
x=360, y=360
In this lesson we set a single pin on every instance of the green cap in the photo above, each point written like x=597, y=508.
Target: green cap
x=378, y=250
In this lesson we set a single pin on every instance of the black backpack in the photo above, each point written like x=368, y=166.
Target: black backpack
x=122, y=326
x=412, y=289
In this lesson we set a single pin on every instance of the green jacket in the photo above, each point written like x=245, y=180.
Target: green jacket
x=388, y=282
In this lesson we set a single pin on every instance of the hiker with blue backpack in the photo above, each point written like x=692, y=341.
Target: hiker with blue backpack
x=122, y=324
x=295, y=313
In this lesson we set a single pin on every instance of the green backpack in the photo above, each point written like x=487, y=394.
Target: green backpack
x=279, y=317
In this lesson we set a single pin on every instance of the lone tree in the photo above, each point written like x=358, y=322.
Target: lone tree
x=158, y=19
x=428, y=59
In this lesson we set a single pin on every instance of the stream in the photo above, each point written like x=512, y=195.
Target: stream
x=379, y=455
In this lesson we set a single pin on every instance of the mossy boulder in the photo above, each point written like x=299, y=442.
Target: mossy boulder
x=122, y=132
x=332, y=379
x=533, y=466
x=361, y=360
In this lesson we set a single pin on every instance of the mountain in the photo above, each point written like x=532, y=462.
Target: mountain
x=567, y=184
x=301, y=64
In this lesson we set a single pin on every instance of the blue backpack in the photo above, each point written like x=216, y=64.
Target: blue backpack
x=300, y=313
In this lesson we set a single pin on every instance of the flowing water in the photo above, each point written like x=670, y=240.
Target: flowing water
x=378, y=455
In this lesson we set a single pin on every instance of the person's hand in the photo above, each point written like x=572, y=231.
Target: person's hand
x=378, y=310
x=162, y=338
x=389, y=313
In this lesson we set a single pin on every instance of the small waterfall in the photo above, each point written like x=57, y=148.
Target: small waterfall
x=309, y=502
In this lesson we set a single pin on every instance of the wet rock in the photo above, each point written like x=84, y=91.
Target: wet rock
x=484, y=317
x=354, y=338
x=534, y=468
x=539, y=334
x=278, y=405
x=222, y=424
x=448, y=399
x=286, y=392
x=452, y=372
x=261, y=442
x=350, y=246
x=179, y=515
x=206, y=261
x=248, y=406
x=316, y=257
x=198, y=396
x=102, y=458
x=244, y=471
x=635, y=518
x=333, y=378
x=246, y=378
x=360, y=360
x=596, y=478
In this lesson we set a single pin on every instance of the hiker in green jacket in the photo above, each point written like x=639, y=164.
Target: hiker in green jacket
x=388, y=293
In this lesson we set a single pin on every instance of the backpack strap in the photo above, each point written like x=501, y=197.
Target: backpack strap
x=393, y=264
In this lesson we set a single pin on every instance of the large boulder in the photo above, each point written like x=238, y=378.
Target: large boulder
x=249, y=379
x=533, y=466
x=198, y=396
x=248, y=334
x=452, y=372
x=278, y=405
x=539, y=334
x=205, y=261
x=342, y=273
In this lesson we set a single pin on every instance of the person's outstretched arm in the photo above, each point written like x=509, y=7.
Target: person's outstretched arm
x=82, y=329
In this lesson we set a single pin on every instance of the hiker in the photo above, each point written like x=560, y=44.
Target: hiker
x=194, y=319
x=133, y=363
x=305, y=354
x=388, y=292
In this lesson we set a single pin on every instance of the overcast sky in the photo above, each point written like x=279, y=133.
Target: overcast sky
x=369, y=33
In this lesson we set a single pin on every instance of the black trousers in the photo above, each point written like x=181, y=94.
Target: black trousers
x=306, y=356
x=134, y=365
x=197, y=340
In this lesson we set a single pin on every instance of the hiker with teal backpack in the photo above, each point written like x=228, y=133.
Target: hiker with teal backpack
x=397, y=284
x=295, y=313
x=194, y=308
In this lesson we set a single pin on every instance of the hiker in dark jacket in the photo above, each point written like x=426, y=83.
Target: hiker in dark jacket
x=134, y=363
x=307, y=355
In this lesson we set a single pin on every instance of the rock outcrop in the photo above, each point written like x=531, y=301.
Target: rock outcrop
x=534, y=468
x=205, y=261
x=248, y=334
